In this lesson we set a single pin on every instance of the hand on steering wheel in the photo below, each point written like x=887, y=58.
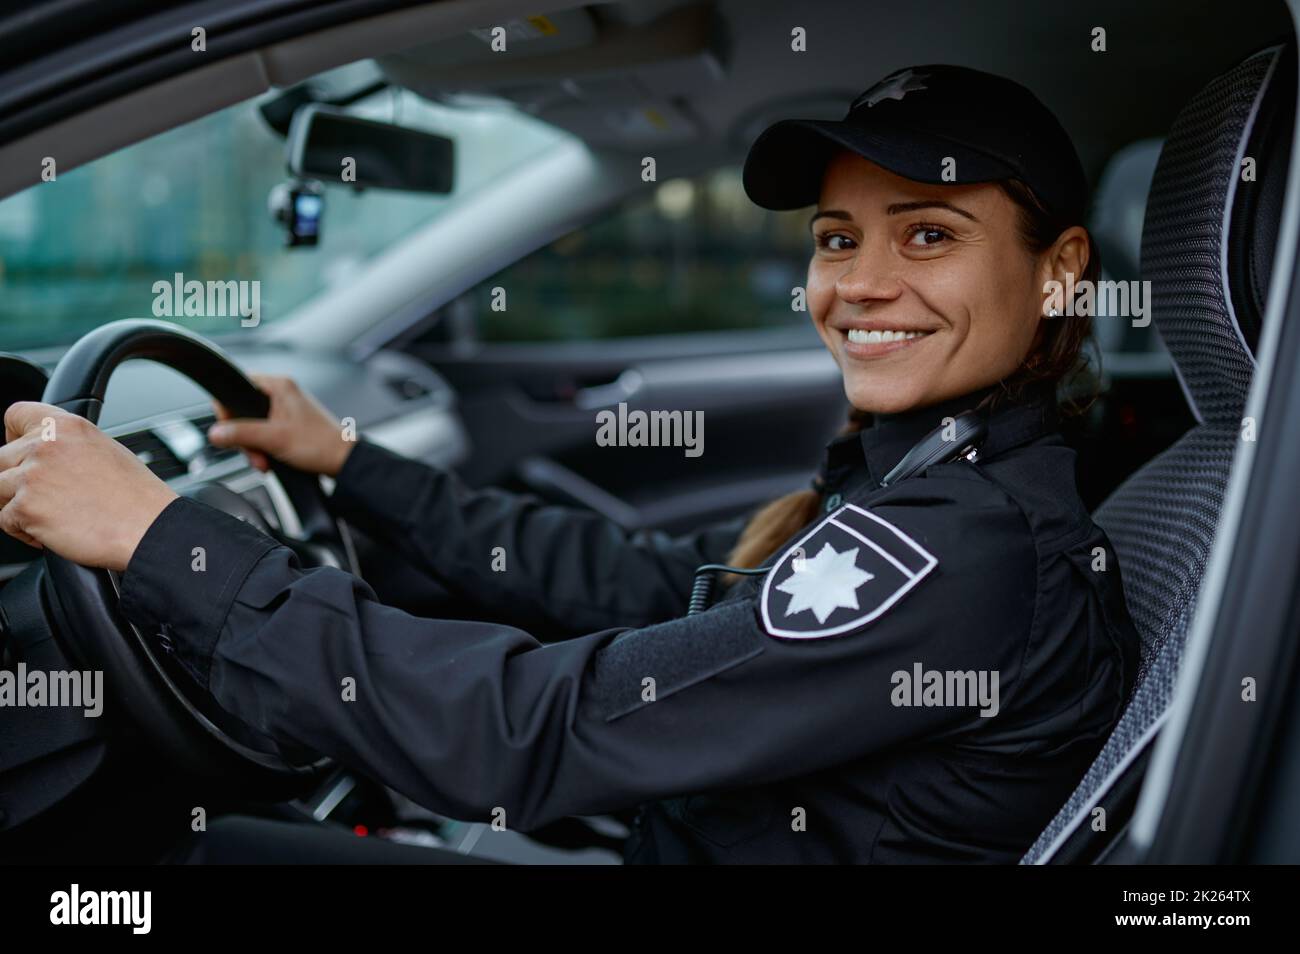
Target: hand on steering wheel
x=48, y=500
x=88, y=501
x=297, y=430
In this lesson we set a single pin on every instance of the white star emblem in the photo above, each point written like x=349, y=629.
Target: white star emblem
x=895, y=87
x=827, y=582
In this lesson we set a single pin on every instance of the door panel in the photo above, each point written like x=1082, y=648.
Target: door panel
x=768, y=402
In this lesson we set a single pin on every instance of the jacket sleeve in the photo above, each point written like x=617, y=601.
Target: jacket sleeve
x=470, y=718
x=535, y=564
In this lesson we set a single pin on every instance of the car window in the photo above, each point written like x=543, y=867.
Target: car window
x=191, y=204
x=1118, y=211
x=694, y=255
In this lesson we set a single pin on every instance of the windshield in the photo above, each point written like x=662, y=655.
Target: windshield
x=122, y=237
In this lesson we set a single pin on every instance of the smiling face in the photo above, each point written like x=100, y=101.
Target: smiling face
x=921, y=292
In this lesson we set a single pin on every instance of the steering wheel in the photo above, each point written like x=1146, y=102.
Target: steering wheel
x=142, y=677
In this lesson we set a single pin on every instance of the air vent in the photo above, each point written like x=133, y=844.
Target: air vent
x=156, y=455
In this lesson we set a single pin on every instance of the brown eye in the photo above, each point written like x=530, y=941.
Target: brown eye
x=925, y=236
x=835, y=242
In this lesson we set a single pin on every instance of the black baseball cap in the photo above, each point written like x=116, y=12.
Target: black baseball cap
x=911, y=122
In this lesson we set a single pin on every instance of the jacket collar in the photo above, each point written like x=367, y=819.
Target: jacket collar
x=884, y=441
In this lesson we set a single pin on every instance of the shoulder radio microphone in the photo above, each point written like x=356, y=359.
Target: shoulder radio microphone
x=959, y=439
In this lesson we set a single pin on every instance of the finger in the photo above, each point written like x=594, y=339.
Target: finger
x=257, y=459
x=10, y=481
x=17, y=450
x=9, y=524
x=22, y=536
x=22, y=416
x=242, y=432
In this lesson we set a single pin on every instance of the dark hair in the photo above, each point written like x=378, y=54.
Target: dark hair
x=1058, y=357
x=1061, y=355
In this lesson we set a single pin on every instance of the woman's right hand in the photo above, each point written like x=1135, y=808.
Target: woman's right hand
x=297, y=430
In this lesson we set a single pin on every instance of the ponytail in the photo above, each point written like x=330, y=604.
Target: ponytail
x=782, y=518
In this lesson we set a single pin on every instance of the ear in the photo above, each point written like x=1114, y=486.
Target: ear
x=1065, y=262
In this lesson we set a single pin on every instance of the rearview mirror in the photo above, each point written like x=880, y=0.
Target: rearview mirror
x=332, y=146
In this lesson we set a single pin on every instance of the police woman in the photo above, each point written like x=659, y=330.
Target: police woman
x=936, y=650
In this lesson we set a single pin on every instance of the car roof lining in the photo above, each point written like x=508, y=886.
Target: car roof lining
x=756, y=88
x=1147, y=65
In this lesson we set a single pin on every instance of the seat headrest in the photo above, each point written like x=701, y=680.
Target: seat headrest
x=1211, y=227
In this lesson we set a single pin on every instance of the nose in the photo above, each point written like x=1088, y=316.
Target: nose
x=868, y=276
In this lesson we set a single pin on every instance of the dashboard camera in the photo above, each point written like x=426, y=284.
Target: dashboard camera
x=297, y=206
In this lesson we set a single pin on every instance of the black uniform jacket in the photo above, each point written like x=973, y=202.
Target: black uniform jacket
x=924, y=674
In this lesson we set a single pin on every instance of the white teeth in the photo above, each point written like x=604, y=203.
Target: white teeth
x=861, y=336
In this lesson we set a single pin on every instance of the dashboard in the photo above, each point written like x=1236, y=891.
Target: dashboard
x=396, y=401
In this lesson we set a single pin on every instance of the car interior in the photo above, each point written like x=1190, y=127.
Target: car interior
x=669, y=292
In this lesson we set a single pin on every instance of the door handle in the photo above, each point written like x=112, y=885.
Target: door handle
x=622, y=388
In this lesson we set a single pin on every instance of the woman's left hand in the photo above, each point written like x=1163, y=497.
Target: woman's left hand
x=67, y=486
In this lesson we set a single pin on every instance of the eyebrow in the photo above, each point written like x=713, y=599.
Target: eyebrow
x=895, y=209
x=928, y=204
x=829, y=214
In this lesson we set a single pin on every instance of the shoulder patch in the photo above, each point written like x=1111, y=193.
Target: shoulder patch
x=847, y=571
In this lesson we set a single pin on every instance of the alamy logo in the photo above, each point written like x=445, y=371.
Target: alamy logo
x=179, y=298
x=75, y=906
x=24, y=688
x=1107, y=299
x=950, y=688
x=651, y=429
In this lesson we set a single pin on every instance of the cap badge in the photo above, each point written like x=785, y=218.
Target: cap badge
x=892, y=87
